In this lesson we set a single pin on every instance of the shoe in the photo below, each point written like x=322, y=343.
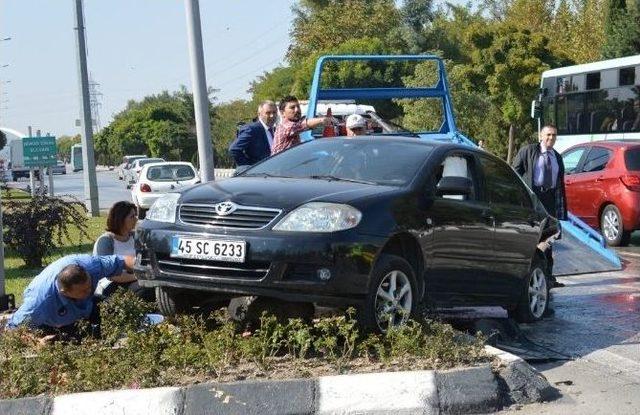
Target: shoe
x=556, y=284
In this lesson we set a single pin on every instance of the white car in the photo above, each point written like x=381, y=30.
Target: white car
x=126, y=160
x=133, y=172
x=157, y=179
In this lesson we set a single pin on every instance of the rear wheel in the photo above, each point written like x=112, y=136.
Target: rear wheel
x=612, y=227
x=534, y=298
x=392, y=297
x=171, y=301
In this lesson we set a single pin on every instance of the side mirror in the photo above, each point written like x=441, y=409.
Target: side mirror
x=454, y=185
x=536, y=109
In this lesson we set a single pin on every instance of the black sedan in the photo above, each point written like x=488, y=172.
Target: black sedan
x=384, y=224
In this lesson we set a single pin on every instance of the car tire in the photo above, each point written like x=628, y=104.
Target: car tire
x=534, y=297
x=142, y=213
x=400, y=302
x=170, y=301
x=612, y=228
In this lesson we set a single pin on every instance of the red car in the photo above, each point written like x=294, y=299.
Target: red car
x=602, y=180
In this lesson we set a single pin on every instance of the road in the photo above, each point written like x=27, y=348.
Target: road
x=110, y=189
x=592, y=342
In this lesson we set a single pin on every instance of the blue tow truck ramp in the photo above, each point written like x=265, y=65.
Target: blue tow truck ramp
x=580, y=249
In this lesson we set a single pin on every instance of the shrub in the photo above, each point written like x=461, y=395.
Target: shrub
x=35, y=227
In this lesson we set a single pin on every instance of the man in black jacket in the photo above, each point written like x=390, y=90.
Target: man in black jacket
x=542, y=169
x=254, y=140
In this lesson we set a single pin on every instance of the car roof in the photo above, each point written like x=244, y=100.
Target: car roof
x=164, y=163
x=611, y=144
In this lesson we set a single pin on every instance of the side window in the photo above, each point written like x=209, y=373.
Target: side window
x=596, y=160
x=502, y=185
x=572, y=158
x=458, y=165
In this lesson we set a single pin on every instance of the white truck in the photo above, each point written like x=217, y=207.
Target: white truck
x=16, y=166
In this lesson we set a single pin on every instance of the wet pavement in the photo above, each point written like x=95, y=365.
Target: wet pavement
x=590, y=348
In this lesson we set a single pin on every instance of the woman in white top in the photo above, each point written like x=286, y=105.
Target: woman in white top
x=119, y=240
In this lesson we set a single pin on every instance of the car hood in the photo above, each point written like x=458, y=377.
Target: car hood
x=280, y=193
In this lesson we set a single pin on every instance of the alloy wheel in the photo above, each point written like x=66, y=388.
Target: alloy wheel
x=538, y=293
x=611, y=225
x=394, y=300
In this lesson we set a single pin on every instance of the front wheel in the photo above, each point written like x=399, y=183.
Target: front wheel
x=392, y=297
x=534, y=298
x=170, y=301
x=612, y=227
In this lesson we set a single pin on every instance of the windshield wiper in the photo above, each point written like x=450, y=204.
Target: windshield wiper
x=263, y=175
x=340, y=179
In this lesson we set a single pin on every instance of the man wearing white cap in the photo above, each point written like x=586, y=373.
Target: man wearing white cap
x=356, y=125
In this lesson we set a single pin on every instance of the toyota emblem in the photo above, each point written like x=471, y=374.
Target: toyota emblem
x=225, y=208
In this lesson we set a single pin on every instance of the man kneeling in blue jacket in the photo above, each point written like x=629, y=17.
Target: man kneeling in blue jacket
x=63, y=293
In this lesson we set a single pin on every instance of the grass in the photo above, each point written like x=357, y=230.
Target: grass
x=193, y=349
x=17, y=276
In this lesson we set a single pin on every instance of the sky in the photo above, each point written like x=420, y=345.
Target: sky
x=135, y=48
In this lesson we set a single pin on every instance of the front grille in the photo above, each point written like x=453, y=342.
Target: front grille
x=244, y=217
x=199, y=268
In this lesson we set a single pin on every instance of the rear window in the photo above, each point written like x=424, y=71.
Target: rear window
x=632, y=158
x=170, y=173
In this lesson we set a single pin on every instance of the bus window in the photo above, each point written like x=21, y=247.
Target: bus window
x=593, y=80
x=627, y=76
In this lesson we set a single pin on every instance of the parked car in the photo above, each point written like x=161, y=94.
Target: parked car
x=133, y=171
x=602, y=180
x=59, y=168
x=382, y=224
x=126, y=161
x=157, y=179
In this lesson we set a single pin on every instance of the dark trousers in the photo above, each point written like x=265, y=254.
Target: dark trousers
x=548, y=200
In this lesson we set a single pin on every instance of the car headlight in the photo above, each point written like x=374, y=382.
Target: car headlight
x=164, y=208
x=320, y=217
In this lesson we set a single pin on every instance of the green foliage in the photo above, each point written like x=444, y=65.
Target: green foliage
x=64, y=144
x=195, y=349
x=224, y=125
x=273, y=85
x=160, y=125
x=3, y=140
x=622, y=30
x=36, y=227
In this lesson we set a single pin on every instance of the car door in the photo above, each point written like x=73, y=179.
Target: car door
x=572, y=161
x=589, y=184
x=462, y=251
x=516, y=227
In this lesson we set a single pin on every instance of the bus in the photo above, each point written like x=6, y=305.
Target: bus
x=593, y=101
x=75, y=159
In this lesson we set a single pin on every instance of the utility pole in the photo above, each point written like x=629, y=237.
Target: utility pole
x=88, y=159
x=200, y=95
x=94, y=100
x=7, y=301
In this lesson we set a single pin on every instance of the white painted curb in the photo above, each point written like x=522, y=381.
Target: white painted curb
x=157, y=401
x=390, y=392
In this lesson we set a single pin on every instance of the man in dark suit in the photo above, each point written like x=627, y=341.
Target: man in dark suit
x=542, y=169
x=254, y=140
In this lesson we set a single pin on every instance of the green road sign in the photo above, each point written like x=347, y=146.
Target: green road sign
x=39, y=151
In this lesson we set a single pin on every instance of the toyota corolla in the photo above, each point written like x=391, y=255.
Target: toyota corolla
x=383, y=224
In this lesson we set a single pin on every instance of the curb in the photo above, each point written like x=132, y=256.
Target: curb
x=479, y=389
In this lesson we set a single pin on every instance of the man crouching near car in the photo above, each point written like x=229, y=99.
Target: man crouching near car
x=63, y=294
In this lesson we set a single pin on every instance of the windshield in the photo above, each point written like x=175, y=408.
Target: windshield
x=170, y=173
x=366, y=160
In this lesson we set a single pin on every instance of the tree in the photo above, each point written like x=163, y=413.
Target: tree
x=3, y=140
x=325, y=25
x=273, y=85
x=64, y=143
x=507, y=64
x=225, y=123
x=622, y=30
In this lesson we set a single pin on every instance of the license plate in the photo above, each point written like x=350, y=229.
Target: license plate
x=211, y=249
